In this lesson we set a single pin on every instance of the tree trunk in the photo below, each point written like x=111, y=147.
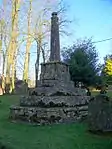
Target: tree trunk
x=28, y=46
x=12, y=49
x=8, y=66
x=15, y=34
x=37, y=61
x=0, y=46
x=12, y=87
x=3, y=73
x=43, y=54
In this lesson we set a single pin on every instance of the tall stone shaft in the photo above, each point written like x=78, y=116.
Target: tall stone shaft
x=55, y=41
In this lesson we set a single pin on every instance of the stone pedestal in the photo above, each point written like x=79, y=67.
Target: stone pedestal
x=55, y=79
x=55, y=100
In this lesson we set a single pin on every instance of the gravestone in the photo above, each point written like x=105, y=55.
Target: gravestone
x=109, y=87
x=55, y=99
x=100, y=113
x=21, y=87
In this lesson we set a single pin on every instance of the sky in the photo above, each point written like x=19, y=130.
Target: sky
x=93, y=18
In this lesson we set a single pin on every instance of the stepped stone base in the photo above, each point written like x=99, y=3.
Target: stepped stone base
x=55, y=100
x=43, y=116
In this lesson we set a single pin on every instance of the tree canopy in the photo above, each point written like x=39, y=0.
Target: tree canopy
x=107, y=69
x=108, y=65
x=82, y=58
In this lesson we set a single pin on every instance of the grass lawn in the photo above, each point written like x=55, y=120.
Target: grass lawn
x=21, y=136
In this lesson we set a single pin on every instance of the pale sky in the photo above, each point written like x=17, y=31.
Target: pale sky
x=92, y=18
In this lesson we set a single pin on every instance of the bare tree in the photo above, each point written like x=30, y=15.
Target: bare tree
x=12, y=47
x=28, y=45
x=4, y=34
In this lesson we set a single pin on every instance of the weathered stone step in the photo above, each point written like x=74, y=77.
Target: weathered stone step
x=47, y=115
x=54, y=101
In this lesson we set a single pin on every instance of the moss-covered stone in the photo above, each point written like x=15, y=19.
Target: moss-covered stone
x=100, y=113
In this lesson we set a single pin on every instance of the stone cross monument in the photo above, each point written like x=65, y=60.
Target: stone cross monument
x=55, y=99
x=55, y=42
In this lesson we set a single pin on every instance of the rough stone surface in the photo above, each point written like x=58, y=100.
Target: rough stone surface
x=21, y=87
x=54, y=100
x=55, y=78
x=48, y=115
x=100, y=113
x=55, y=42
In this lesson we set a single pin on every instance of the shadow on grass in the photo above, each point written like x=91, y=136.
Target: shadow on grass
x=100, y=133
x=2, y=146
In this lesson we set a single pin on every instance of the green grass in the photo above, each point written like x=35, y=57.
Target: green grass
x=69, y=136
